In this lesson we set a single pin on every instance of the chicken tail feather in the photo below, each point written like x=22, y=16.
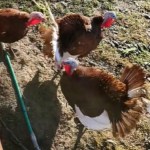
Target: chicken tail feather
x=133, y=107
x=134, y=78
x=128, y=118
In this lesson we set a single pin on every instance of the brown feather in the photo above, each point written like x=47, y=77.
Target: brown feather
x=46, y=35
x=95, y=90
x=129, y=117
x=12, y=25
x=122, y=128
x=127, y=124
x=133, y=76
x=78, y=34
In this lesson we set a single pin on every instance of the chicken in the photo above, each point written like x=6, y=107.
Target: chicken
x=77, y=35
x=14, y=24
x=100, y=100
x=46, y=35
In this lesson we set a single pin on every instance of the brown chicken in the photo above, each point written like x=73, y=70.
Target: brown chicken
x=46, y=35
x=77, y=35
x=14, y=24
x=100, y=100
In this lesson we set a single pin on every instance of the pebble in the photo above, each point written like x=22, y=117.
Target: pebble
x=146, y=16
x=64, y=3
x=116, y=44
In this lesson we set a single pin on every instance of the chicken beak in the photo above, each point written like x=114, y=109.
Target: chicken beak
x=43, y=19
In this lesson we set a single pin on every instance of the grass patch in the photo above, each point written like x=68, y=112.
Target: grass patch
x=132, y=28
x=144, y=5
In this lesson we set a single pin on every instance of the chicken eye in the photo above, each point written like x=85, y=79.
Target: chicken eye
x=113, y=16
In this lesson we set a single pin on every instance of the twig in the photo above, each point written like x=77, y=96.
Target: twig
x=39, y=5
x=46, y=9
x=16, y=140
x=51, y=16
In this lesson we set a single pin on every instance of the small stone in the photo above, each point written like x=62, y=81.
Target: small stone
x=64, y=3
x=146, y=16
x=116, y=44
x=139, y=47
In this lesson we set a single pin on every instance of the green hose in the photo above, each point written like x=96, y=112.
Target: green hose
x=19, y=97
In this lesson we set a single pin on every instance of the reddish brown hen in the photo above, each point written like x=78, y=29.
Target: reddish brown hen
x=14, y=23
x=100, y=100
x=77, y=35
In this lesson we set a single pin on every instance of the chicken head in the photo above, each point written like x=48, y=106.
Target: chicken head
x=70, y=65
x=109, y=19
x=35, y=18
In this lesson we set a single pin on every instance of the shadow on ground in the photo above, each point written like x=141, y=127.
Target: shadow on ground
x=44, y=111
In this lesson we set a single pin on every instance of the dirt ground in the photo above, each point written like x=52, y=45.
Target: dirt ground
x=51, y=117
